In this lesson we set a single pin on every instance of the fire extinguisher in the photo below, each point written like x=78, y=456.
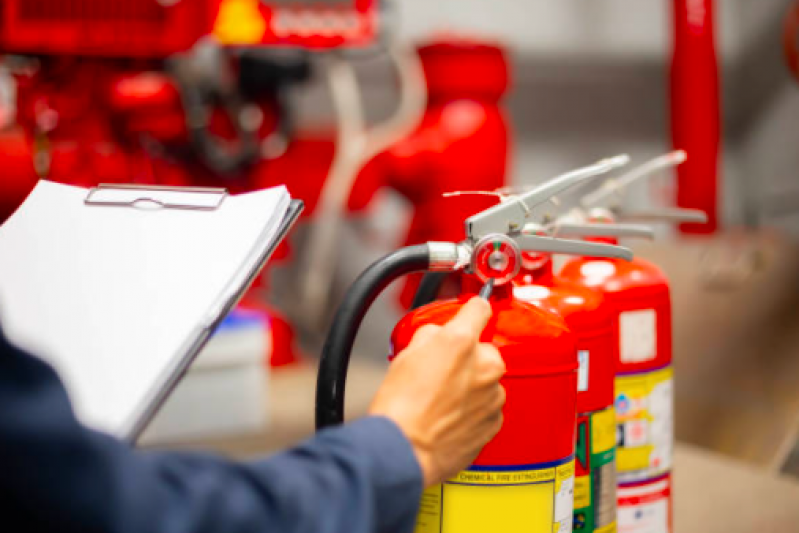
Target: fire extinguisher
x=592, y=322
x=638, y=293
x=525, y=474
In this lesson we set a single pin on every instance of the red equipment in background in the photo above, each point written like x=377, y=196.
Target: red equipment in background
x=461, y=144
x=127, y=92
x=319, y=24
x=790, y=40
x=695, y=109
x=160, y=28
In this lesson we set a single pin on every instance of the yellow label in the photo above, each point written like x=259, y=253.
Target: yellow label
x=582, y=492
x=429, y=518
x=634, y=458
x=603, y=431
x=644, y=414
x=506, y=500
x=610, y=528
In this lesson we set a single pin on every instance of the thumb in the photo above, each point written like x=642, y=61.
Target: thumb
x=471, y=320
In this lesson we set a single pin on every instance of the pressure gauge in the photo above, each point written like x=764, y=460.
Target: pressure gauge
x=496, y=257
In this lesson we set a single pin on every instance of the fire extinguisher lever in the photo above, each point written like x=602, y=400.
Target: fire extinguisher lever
x=610, y=193
x=577, y=229
x=605, y=203
x=512, y=214
x=553, y=245
x=666, y=214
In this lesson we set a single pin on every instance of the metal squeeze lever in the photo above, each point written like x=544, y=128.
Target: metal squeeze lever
x=488, y=288
x=512, y=214
x=588, y=229
x=605, y=202
x=664, y=214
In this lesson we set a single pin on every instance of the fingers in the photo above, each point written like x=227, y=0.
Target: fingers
x=489, y=365
x=465, y=328
x=424, y=334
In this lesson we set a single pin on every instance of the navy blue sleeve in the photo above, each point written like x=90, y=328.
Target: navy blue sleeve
x=56, y=475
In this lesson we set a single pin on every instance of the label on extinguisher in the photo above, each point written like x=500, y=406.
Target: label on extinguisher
x=638, y=336
x=645, y=508
x=584, y=360
x=512, y=499
x=595, y=473
x=645, y=424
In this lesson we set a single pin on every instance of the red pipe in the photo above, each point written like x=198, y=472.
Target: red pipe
x=695, y=110
x=791, y=39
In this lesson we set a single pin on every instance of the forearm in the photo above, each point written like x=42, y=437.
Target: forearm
x=360, y=478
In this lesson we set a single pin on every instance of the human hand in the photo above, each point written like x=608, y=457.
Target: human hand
x=443, y=392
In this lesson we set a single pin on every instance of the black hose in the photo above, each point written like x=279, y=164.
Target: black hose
x=429, y=288
x=336, y=352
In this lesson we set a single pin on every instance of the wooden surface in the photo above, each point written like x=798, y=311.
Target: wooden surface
x=713, y=494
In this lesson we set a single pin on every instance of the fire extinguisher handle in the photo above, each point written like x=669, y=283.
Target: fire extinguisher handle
x=512, y=214
x=612, y=188
x=332, y=377
x=552, y=245
x=666, y=214
x=575, y=229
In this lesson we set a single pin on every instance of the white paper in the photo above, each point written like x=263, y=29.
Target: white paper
x=638, y=336
x=114, y=297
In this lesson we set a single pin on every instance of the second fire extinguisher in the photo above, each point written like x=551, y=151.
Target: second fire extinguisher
x=524, y=477
x=592, y=322
x=638, y=292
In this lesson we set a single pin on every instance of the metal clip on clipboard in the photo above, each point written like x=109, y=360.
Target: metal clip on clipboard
x=156, y=197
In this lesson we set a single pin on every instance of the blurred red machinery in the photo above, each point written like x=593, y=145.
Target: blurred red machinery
x=791, y=39
x=461, y=144
x=132, y=91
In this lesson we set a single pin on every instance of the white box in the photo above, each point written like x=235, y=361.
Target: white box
x=225, y=390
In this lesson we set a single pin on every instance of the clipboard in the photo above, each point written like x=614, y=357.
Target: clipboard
x=120, y=287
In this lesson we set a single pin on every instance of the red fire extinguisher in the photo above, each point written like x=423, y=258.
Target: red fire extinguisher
x=592, y=322
x=638, y=293
x=526, y=473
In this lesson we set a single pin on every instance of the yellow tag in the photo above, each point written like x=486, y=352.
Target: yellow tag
x=582, y=492
x=603, y=431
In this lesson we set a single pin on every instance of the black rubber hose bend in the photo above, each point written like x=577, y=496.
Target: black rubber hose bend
x=429, y=288
x=335, y=360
